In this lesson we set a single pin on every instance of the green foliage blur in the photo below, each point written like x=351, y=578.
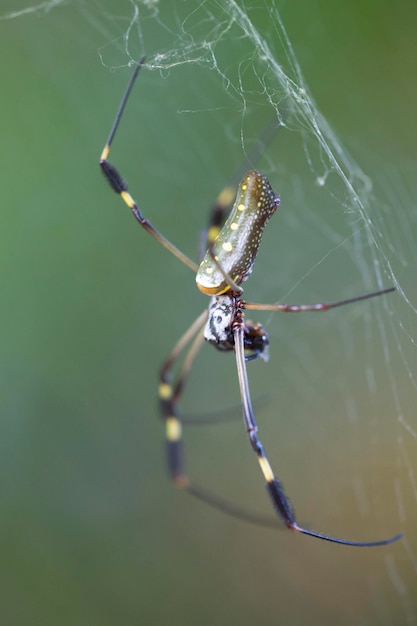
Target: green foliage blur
x=91, y=531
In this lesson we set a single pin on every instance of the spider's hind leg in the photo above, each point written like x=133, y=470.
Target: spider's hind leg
x=169, y=395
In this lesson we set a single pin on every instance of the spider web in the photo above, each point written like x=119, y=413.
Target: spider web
x=357, y=238
x=345, y=385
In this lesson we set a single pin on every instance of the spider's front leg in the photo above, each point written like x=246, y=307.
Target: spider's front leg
x=280, y=501
x=119, y=185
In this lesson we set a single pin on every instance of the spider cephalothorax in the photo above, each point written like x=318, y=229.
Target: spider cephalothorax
x=223, y=312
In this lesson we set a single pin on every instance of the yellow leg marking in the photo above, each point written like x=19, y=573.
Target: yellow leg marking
x=165, y=391
x=105, y=153
x=128, y=199
x=226, y=196
x=212, y=233
x=173, y=426
x=266, y=469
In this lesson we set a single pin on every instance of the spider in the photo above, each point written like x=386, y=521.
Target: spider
x=227, y=263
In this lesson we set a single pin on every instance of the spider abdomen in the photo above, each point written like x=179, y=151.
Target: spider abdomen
x=237, y=244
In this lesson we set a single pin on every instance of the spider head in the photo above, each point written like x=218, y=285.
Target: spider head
x=223, y=311
x=221, y=314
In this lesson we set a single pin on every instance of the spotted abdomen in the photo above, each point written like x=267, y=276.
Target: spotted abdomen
x=236, y=246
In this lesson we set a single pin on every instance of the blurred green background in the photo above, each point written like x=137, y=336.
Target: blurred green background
x=91, y=530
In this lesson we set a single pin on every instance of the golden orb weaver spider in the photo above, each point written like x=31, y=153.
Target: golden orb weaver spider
x=228, y=262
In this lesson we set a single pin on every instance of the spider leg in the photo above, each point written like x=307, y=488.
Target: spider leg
x=169, y=395
x=298, y=308
x=217, y=218
x=223, y=416
x=234, y=287
x=119, y=185
x=280, y=501
x=225, y=199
